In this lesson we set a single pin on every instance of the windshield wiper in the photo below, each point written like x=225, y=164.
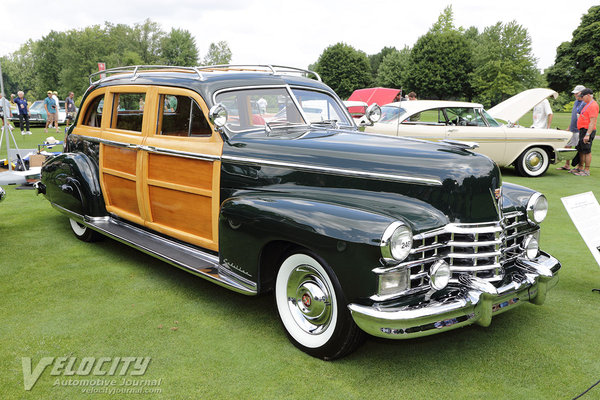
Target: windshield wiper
x=331, y=122
x=269, y=126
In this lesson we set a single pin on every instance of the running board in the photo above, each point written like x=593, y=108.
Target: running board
x=183, y=256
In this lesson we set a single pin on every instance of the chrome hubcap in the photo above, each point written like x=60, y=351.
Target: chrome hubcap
x=309, y=299
x=533, y=160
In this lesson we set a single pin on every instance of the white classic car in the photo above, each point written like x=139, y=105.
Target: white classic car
x=531, y=151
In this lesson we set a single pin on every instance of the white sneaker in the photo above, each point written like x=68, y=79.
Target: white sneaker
x=28, y=132
x=23, y=133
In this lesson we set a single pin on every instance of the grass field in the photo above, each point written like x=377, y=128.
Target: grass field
x=62, y=297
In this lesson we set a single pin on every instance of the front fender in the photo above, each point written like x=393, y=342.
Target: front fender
x=346, y=238
x=72, y=182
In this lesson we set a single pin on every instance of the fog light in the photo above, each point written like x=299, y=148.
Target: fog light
x=439, y=275
x=393, y=282
x=531, y=247
x=537, y=208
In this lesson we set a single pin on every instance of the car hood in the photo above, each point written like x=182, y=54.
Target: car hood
x=515, y=107
x=455, y=181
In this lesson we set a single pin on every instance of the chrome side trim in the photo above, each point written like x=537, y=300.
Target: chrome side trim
x=150, y=149
x=334, y=171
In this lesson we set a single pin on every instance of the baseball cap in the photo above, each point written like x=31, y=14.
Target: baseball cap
x=578, y=89
x=586, y=92
x=49, y=92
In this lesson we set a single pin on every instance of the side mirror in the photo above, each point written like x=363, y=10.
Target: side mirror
x=373, y=113
x=218, y=115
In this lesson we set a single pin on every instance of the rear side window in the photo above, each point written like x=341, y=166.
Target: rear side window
x=181, y=116
x=128, y=111
x=93, y=113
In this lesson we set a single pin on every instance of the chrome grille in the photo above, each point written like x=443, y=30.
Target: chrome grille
x=483, y=250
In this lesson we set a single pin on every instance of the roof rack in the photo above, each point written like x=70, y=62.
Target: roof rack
x=273, y=69
x=134, y=70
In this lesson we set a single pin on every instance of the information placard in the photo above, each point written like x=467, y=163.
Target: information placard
x=584, y=211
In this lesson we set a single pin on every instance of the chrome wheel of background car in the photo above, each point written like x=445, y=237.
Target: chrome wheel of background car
x=84, y=233
x=312, y=310
x=533, y=162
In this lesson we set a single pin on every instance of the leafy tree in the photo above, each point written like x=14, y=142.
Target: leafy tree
x=440, y=64
x=394, y=68
x=578, y=62
x=46, y=59
x=179, y=48
x=147, y=39
x=504, y=63
x=344, y=69
x=445, y=22
x=376, y=59
x=18, y=70
x=218, y=53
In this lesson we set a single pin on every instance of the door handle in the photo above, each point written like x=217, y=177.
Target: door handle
x=452, y=130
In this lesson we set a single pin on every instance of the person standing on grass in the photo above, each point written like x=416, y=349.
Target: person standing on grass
x=587, y=131
x=542, y=115
x=70, y=108
x=577, y=106
x=23, y=107
x=55, y=98
x=51, y=111
x=4, y=110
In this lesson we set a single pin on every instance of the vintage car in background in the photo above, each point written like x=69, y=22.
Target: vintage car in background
x=531, y=151
x=353, y=233
x=37, y=113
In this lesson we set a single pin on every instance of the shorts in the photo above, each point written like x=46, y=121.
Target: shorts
x=585, y=148
x=574, y=141
x=51, y=118
x=71, y=115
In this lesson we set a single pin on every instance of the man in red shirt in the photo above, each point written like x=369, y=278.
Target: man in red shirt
x=586, y=123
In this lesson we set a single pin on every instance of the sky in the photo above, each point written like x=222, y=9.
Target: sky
x=295, y=33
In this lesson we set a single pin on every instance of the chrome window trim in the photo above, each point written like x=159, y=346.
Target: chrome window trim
x=334, y=171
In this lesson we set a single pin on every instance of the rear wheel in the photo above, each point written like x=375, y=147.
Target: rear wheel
x=533, y=162
x=84, y=233
x=312, y=310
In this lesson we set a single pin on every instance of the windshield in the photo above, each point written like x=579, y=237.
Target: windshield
x=319, y=107
x=256, y=108
x=390, y=114
x=491, y=121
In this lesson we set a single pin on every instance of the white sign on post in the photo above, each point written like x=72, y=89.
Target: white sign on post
x=584, y=211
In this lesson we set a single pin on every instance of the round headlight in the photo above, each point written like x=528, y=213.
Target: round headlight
x=439, y=275
x=531, y=247
x=396, y=242
x=537, y=208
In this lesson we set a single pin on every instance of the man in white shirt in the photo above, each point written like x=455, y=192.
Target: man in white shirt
x=542, y=115
x=55, y=98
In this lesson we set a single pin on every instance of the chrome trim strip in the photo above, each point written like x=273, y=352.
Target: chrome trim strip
x=334, y=171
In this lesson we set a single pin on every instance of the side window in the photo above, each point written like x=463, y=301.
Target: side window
x=181, y=116
x=93, y=113
x=464, y=116
x=427, y=117
x=128, y=111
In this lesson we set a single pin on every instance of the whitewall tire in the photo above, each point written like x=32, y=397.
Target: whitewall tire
x=533, y=162
x=84, y=233
x=309, y=303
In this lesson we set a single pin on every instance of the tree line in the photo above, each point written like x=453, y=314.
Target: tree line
x=63, y=61
x=455, y=63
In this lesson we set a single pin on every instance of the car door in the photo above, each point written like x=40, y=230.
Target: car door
x=120, y=158
x=467, y=124
x=428, y=124
x=181, y=168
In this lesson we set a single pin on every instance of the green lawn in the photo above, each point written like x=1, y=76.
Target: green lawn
x=63, y=297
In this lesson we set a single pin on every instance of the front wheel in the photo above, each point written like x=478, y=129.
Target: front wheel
x=84, y=233
x=312, y=310
x=533, y=162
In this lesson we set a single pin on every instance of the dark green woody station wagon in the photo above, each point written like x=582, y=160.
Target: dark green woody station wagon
x=257, y=179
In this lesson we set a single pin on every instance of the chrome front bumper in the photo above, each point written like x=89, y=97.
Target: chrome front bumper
x=565, y=154
x=477, y=303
